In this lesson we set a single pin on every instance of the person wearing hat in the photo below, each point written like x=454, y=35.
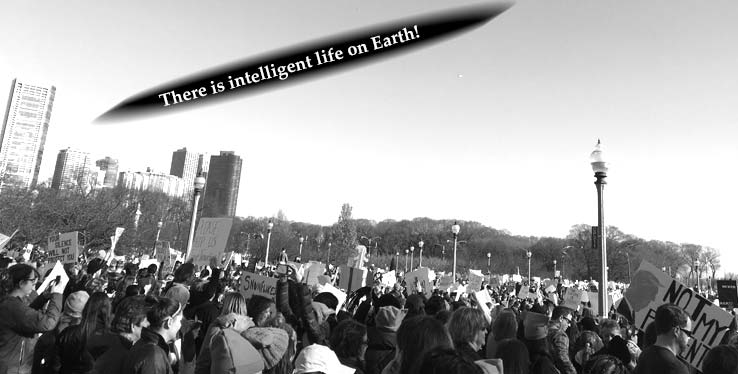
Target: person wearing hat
x=151, y=354
x=319, y=358
x=561, y=320
x=535, y=331
x=382, y=338
x=45, y=357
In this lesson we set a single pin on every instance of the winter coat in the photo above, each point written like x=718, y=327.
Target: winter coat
x=382, y=344
x=150, y=355
x=205, y=359
x=19, y=326
x=73, y=355
x=111, y=361
x=45, y=355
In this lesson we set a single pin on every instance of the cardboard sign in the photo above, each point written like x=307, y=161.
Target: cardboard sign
x=63, y=248
x=389, y=279
x=162, y=252
x=517, y=278
x=253, y=284
x=419, y=281
x=483, y=298
x=445, y=282
x=651, y=288
x=312, y=271
x=573, y=298
x=727, y=293
x=475, y=280
x=58, y=270
x=351, y=279
x=145, y=263
x=210, y=240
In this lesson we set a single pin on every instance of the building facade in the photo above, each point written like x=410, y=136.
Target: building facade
x=221, y=189
x=74, y=168
x=184, y=165
x=109, y=167
x=170, y=185
x=23, y=133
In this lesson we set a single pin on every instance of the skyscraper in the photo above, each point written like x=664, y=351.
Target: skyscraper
x=221, y=189
x=24, y=133
x=109, y=166
x=184, y=165
x=73, y=168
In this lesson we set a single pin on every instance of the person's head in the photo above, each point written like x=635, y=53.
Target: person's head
x=609, y=329
x=722, y=359
x=262, y=310
x=152, y=269
x=317, y=358
x=185, y=273
x=328, y=299
x=441, y=360
x=234, y=302
x=415, y=337
x=563, y=316
x=130, y=316
x=435, y=304
x=505, y=326
x=588, y=339
x=514, y=355
x=349, y=340
x=134, y=290
x=97, y=309
x=468, y=326
x=605, y=364
x=165, y=317
x=673, y=327
x=21, y=278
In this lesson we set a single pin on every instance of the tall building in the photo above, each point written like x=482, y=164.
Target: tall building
x=108, y=166
x=184, y=165
x=24, y=133
x=150, y=181
x=74, y=168
x=221, y=190
x=203, y=164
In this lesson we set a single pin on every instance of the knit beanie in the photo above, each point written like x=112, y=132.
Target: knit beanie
x=536, y=326
x=389, y=317
x=75, y=303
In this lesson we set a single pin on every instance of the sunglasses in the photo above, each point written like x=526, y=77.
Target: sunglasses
x=689, y=333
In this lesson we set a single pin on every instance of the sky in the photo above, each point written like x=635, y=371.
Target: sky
x=495, y=125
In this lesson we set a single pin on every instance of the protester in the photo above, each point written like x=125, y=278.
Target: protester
x=151, y=353
x=415, y=337
x=46, y=358
x=504, y=327
x=442, y=360
x=20, y=322
x=382, y=338
x=673, y=329
x=561, y=320
x=76, y=343
x=349, y=342
x=605, y=364
x=468, y=330
x=514, y=355
x=318, y=358
x=722, y=359
x=535, y=333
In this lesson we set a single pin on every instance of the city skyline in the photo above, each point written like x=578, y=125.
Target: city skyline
x=493, y=126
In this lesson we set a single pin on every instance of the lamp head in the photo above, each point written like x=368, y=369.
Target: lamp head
x=159, y=224
x=302, y=239
x=199, y=183
x=599, y=165
x=270, y=225
x=455, y=228
x=420, y=244
x=412, y=249
x=406, y=251
x=489, y=255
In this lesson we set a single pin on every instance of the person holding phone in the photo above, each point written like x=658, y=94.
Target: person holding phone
x=21, y=324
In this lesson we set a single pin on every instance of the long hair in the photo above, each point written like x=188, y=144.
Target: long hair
x=514, y=355
x=14, y=275
x=465, y=324
x=97, y=312
x=505, y=326
x=415, y=337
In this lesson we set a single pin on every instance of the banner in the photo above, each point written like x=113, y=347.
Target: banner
x=651, y=288
x=312, y=271
x=210, y=240
x=254, y=284
x=727, y=293
x=475, y=280
x=351, y=279
x=63, y=248
x=389, y=279
x=419, y=281
x=573, y=298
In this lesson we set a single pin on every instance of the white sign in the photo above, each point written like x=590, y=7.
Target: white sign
x=254, y=284
x=475, y=280
x=63, y=248
x=419, y=281
x=210, y=240
x=57, y=271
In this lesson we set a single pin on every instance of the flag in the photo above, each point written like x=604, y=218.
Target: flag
x=4, y=239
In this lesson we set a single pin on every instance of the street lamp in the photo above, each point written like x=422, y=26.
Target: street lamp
x=302, y=240
x=529, y=255
x=455, y=228
x=406, y=252
x=554, y=269
x=328, y=261
x=270, y=226
x=697, y=273
x=599, y=166
x=420, y=262
x=412, y=257
x=199, y=185
x=34, y=196
x=158, y=231
x=489, y=263
x=397, y=263
x=138, y=216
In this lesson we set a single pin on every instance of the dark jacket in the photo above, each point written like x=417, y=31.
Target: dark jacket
x=467, y=351
x=18, y=328
x=45, y=355
x=382, y=344
x=111, y=361
x=150, y=355
x=73, y=355
x=353, y=363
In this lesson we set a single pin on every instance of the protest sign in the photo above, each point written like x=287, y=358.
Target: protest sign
x=162, y=252
x=254, y=284
x=312, y=271
x=573, y=298
x=485, y=302
x=389, y=279
x=651, y=288
x=475, y=280
x=593, y=299
x=145, y=263
x=419, y=281
x=517, y=278
x=351, y=279
x=57, y=271
x=523, y=292
x=210, y=240
x=328, y=287
x=445, y=282
x=63, y=247
x=727, y=293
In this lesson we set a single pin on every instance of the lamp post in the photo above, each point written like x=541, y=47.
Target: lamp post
x=138, y=216
x=34, y=196
x=158, y=231
x=420, y=261
x=199, y=185
x=455, y=228
x=529, y=255
x=412, y=257
x=599, y=166
x=302, y=240
x=328, y=261
x=489, y=263
x=697, y=273
x=270, y=226
x=397, y=262
x=406, y=252
x=554, y=269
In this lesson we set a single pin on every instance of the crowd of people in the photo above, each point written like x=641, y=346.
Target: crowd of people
x=122, y=319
